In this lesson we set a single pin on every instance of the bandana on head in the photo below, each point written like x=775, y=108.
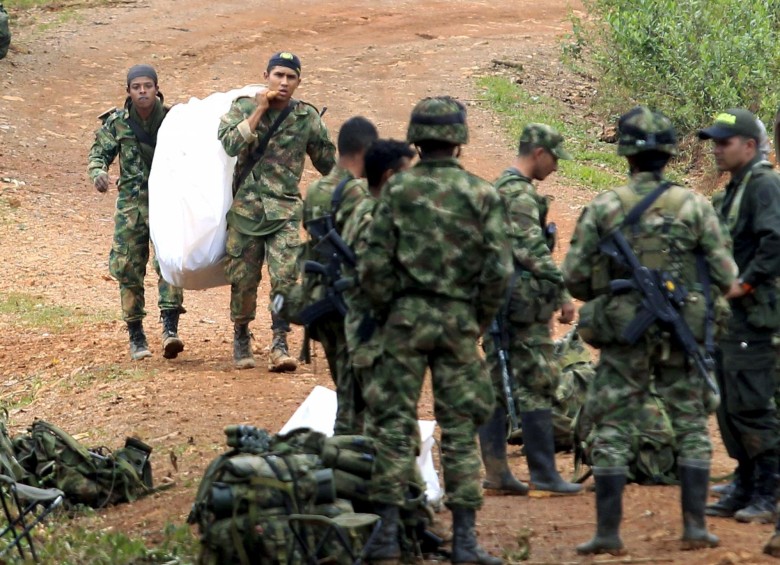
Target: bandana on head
x=141, y=71
x=285, y=59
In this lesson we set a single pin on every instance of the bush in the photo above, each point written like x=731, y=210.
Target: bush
x=687, y=58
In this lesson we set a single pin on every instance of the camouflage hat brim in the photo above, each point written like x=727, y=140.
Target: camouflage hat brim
x=561, y=153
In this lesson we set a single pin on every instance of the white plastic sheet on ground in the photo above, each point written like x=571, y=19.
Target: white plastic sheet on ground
x=190, y=192
x=318, y=412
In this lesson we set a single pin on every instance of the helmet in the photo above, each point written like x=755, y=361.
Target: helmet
x=441, y=119
x=641, y=130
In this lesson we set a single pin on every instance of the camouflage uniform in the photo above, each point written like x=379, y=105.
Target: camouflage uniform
x=330, y=331
x=264, y=219
x=130, y=250
x=667, y=237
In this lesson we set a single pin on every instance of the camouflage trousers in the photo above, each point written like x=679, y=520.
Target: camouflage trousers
x=619, y=391
x=127, y=264
x=535, y=372
x=244, y=263
x=747, y=416
x=330, y=333
x=440, y=335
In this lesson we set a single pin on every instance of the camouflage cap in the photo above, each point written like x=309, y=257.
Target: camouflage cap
x=438, y=119
x=542, y=135
x=734, y=121
x=641, y=129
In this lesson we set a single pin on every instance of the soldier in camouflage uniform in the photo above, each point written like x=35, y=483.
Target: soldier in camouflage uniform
x=677, y=227
x=435, y=267
x=750, y=209
x=355, y=136
x=537, y=291
x=264, y=219
x=363, y=338
x=131, y=134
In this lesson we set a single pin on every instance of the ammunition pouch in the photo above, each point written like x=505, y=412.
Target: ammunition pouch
x=533, y=300
x=763, y=306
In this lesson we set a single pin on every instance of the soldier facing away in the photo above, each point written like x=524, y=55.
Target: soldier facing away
x=747, y=356
x=670, y=230
x=131, y=135
x=264, y=219
x=536, y=292
x=434, y=269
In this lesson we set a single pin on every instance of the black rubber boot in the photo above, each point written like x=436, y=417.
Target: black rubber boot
x=694, y=478
x=465, y=548
x=539, y=443
x=172, y=343
x=138, y=346
x=383, y=548
x=492, y=442
x=762, y=507
x=739, y=497
x=242, y=347
x=610, y=482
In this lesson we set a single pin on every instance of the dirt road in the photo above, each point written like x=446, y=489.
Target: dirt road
x=374, y=58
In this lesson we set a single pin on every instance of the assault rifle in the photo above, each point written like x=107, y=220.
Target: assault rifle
x=662, y=299
x=497, y=331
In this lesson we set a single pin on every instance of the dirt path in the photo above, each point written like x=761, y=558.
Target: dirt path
x=374, y=58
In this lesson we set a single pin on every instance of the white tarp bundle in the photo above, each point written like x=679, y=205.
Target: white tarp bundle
x=318, y=412
x=190, y=192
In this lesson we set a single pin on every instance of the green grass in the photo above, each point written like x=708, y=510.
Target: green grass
x=34, y=312
x=69, y=542
x=85, y=379
x=595, y=164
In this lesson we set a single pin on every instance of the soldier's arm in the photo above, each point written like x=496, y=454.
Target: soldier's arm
x=354, y=193
x=320, y=148
x=103, y=152
x=497, y=268
x=766, y=229
x=577, y=268
x=715, y=243
x=376, y=273
x=235, y=130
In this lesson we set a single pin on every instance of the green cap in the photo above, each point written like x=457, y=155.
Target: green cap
x=542, y=135
x=438, y=119
x=734, y=121
x=641, y=129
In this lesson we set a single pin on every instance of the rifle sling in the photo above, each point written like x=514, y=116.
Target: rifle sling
x=259, y=151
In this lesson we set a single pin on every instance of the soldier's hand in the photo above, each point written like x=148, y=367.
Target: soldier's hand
x=736, y=290
x=568, y=312
x=263, y=99
x=102, y=181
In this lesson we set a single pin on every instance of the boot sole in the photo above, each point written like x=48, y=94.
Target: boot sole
x=765, y=519
x=138, y=355
x=244, y=364
x=617, y=552
x=283, y=366
x=693, y=545
x=497, y=491
x=172, y=348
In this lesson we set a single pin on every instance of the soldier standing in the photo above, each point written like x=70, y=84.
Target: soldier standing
x=435, y=267
x=536, y=292
x=131, y=134
x=328, y=202
x=271, y=137
x=750, y=209
x=670, y=230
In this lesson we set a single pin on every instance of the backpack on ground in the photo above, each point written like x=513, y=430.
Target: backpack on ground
x=51, y=457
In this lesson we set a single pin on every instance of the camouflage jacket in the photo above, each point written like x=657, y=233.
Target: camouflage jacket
x=319, y=196
x=363, y=351
x=527, y=219
x=692, y=225
x=271, y=190
x=116, y=138
x=437, y=231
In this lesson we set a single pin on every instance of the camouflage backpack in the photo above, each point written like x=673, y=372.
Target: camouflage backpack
x=5, y=33
x=96, y=477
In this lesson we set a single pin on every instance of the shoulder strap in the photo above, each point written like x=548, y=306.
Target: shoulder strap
x=338, y=196
x=636, y=212
x=140, y=134
x=508, y=176
x=258, y=152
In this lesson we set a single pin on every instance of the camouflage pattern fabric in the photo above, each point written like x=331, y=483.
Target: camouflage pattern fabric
x=330, y=332
x=683, y=222
x=130, y=249
x=434, y=267
x=641, y=130
x=5, y=33
x=244, y=263
x=542, y=135
x=438, y=119
x=537, y=293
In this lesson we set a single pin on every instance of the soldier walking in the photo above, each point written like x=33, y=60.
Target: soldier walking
x=131, y=135
x=271, y=134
